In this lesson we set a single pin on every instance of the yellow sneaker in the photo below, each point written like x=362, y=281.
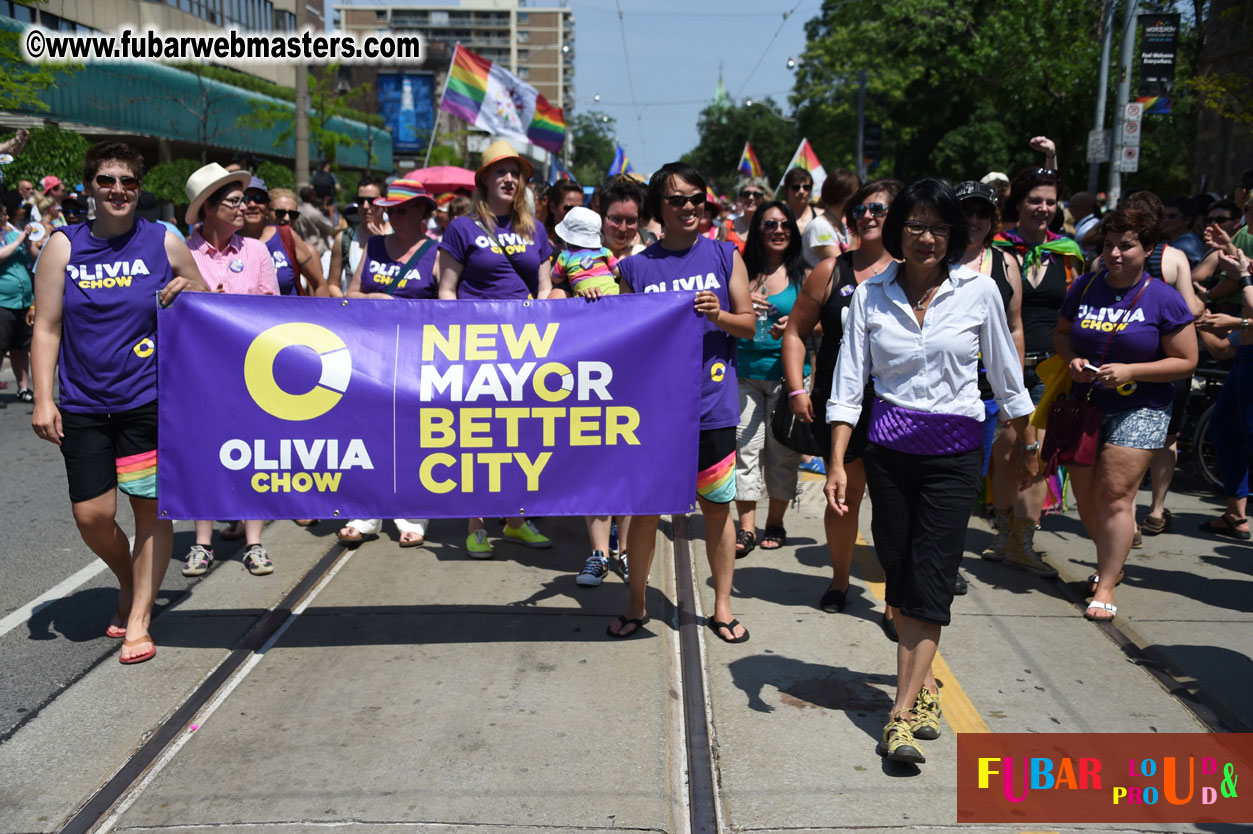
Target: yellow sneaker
x=926, y=723
x=527, y=535
x=477, y=545
x=898, y=743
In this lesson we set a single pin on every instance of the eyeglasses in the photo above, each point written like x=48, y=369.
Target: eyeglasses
x=804, y=186
x=873, y=209
x=681, y=200
x=232, y=203
x=622, y=221
x=1047, y=175
x=285, y=215
x=1220, y=218
x=939, y=231
x=771, y=225
x=752, y=195
x=106, y=181
x=982, y=211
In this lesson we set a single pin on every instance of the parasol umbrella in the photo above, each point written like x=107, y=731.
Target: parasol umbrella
x=440, y=179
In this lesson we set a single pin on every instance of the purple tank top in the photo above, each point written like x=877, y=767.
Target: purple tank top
x=283, y=268
x=108, y=356
x=381, y=274
x=704, y=266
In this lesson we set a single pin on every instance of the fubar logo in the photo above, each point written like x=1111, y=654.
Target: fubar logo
x=265, y=391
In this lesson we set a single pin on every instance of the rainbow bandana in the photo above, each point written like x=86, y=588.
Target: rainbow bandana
x=1054, y=244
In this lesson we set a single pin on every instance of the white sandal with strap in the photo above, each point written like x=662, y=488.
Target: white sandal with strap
x=1101, y=606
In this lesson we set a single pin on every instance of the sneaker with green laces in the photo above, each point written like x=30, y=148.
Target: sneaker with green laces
x=528, y=535
x=898, y=743
x=926, y=723
x=477, y=545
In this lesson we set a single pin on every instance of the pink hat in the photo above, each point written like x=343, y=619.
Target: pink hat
x=49, y=182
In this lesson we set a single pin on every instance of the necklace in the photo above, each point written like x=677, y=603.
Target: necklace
x=921, y=303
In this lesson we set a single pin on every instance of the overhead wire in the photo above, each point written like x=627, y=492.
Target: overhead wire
x=766, y=51
x=626, y=58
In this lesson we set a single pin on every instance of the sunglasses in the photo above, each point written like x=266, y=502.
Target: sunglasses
x=752, y=195
x=622, y=221
x=366, y=202
x=1047, y=175
x=106, y=181
x=681, y=200
x=808, y=186
x=1220, y=218
x=939, y=231
x=771, y=225
x=285, y=215
x=259, y=199
x=873, y=209
x=981, y=211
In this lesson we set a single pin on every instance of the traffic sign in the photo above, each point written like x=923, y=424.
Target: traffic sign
x=1098, y=145
x=1134, y=111
x=1129, y=160
x=1131, y=134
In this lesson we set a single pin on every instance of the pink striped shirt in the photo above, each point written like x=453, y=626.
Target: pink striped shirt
x=243, y=266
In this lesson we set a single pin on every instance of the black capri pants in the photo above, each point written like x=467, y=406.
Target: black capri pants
x=921, y=509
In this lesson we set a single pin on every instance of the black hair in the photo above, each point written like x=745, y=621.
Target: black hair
x=795, y=175
x=935, y=194
x=620, y=190
x=102, y=152
x=661, y=181
x=1246, y=180
x=11, y=201
x=558, y=191
x=1228, y=206
x=308, y=195
x=1023, y=184
x=755, y=245
x=219, y=195
x=1185, y=206
x=367, y=180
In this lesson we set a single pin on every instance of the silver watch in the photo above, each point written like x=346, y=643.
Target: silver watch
x=1030, y=447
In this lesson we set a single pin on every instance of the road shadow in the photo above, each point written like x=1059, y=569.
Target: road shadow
x=82, y=616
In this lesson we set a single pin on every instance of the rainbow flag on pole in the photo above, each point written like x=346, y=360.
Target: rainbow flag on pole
x=491, y=98
x=807, y=159
x=621, y=163
x=749, y=166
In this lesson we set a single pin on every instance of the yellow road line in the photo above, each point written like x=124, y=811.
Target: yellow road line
x=959, y=711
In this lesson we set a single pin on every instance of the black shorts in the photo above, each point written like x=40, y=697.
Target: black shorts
x=103, y=451
x=1183, y=387
x=14, y=331
x=715, y=465
x=921, y=508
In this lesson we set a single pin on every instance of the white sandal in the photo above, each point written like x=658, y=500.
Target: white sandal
x=1101, y=606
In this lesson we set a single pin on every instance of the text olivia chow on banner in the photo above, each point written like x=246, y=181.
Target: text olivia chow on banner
x=278, y=407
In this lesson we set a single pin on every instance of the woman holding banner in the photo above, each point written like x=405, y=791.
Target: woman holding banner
x=397, y=265
x=676, y=195
x=473, y=263
x=100, y=339
x=230, y=263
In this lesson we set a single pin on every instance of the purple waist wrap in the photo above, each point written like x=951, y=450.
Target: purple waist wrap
x=923, y=432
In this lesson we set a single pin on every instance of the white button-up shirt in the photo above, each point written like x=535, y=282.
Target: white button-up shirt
x=933, y=366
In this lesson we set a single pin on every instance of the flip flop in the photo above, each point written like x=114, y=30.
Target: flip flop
x=139, y=658
x=1100, y=606
x=730, y=627
x=418, y=542
x=115, y=632
x=623, y=622
x=357, y=539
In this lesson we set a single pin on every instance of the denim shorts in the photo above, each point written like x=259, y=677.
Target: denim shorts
x=1140, y=428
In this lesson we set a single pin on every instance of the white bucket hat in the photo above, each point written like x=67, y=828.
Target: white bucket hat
x=580, y=228
x=204, y=182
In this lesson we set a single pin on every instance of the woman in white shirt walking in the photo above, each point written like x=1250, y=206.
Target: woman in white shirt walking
x=919, y=328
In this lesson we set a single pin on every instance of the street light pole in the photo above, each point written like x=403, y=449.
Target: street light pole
x=1114, y=192
x=1102, y=90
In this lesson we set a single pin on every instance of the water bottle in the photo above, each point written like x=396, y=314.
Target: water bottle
x=765, y=318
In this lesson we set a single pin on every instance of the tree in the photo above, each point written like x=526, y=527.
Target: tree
x=50, y=150
x=724, y=127
x=168, y=181
x=325, y=102
x=958, y=88
x=591, y=135
x=22, y=82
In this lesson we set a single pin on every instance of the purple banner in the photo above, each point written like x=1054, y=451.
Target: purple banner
x=291, y=407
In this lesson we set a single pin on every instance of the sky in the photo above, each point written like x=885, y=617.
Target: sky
x=671, y=58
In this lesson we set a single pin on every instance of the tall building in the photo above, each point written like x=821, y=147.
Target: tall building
x=534, y=39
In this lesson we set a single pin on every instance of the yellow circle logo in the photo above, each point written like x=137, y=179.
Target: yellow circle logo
x=259, y=371
x=145, y=348
x=717, y=371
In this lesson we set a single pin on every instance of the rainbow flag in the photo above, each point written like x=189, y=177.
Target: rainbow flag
x=749, y=166
x=620, y=165
x=491, y=98
x=807, y=159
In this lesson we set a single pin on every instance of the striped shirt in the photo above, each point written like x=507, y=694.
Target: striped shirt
x=243, y=266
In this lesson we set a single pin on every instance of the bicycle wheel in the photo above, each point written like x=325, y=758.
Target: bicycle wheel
x=1203, y=454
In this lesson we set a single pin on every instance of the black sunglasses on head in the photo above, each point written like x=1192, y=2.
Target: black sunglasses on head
x=1044, y=175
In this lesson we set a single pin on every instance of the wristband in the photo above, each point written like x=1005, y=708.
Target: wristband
x=797, y=391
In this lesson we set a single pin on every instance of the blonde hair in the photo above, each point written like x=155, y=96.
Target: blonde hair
x=520, y=214
x=276, y=193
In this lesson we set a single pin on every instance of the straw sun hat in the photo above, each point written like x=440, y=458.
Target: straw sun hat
x=497, y=151
x=204, y=182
